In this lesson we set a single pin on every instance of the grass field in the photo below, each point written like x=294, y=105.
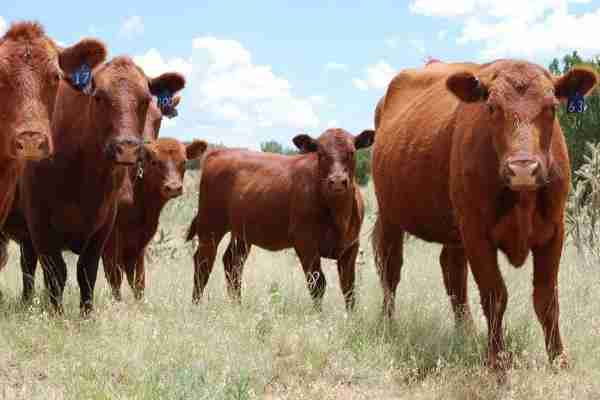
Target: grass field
x=275, y=346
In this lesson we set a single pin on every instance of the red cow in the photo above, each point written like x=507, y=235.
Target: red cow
x=473, y=157
x=71, y=203
x=31, y=68
x=309, y=202
x=137, y=222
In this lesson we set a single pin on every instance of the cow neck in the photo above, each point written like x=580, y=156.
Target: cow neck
x=147, y=202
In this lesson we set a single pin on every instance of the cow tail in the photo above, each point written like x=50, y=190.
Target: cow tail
x=192, y=230
x=377, y=242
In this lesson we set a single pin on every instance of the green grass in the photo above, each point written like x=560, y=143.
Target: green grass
x=274, y=346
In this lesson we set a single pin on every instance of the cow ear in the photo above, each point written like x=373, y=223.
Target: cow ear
x=364, y=139
x=170, y=82
x=78, y=61
x=305, y=143
x=195, y=149
x=467, y=87
x=176, y=101
x=579, y=80
x=91, y=52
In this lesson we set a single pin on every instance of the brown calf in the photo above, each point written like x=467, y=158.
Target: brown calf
x=71, y=203
x=162, y=180
x=31, y=68
x=473, y=157
x=309, y=202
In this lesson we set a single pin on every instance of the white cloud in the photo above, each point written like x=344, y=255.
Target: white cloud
x=318, y=100
x=332, y=124
x=335, y=66
x=533, y=28
x=3, y=25
x=378, y=76
x=132, y=27
x=154, y=64
x=226, y=89
x=442, y=34
x=360, y=84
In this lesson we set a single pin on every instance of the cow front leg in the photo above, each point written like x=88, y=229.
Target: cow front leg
x=546, y=261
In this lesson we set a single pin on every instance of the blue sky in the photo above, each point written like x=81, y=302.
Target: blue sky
x=265, y=70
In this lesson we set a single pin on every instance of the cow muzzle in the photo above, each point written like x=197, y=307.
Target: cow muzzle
x=523, y=173
x=125, y=152
x=172, y=189
x=31, y=145
x=338, y=184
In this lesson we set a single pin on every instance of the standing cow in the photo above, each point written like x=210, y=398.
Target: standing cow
x=309, y=202
x=473, y=157
x=71, y=203
x=31, y=68
x=137, y=222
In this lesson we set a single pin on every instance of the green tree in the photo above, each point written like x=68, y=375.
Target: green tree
x=273, y=146
x=583, y=128
x=363, y=166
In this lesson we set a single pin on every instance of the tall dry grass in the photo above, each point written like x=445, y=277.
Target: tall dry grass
x=275, y=346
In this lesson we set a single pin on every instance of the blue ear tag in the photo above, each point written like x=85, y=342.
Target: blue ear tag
x=82, y=78
x=165, y=103
x=576, y=103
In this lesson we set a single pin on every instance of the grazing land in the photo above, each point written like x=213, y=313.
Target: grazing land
x=274, y=346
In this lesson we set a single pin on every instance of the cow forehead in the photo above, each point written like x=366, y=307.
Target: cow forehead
x=121, y=71
x=38, y=54
x=336, y=140
x=170, y=149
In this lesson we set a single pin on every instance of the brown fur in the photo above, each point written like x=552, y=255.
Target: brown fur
x=440, y=173
x=137, y=222
x=71, y=203
x=278, y=202
x=30, y=72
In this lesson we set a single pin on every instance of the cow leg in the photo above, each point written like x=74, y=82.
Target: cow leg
x=346, y=271
x=28, y=265
x=546, y=261
x=136, y=276
x=114, y=275
x=55, y=277
x=233, y=260
x=315, y=279
x=483, y=258
x=388, y=249
x=87, y=267
x=455, y=272
x=204, y=259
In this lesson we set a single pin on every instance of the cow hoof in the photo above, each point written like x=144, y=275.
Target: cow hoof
x=561, y=362
x=86, y=311
x=117, y=295
x=501, y=361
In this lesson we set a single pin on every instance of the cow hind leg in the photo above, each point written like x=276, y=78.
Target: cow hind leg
x=55, y=277
x=387, y=243
x=204, y=259
x=455, y=272
x=233, y=261
x=347, y=271
x=28, y=266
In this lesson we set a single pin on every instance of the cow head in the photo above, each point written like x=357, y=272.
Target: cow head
x=335, y=150
x=122, y=95
x=518, y=108
x=164, y=165
x=154, y=119
x=31, y=68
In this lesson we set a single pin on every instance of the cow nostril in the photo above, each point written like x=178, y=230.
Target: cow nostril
x=19, y=146
x=345, y=182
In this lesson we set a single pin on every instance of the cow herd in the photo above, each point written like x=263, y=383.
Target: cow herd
x=466, y=155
